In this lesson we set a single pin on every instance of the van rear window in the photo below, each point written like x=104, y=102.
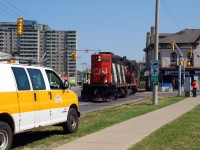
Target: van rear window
x=21, y=78
x=36, y=79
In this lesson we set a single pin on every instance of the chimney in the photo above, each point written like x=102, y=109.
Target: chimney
x=152, y=35
x=148, y=39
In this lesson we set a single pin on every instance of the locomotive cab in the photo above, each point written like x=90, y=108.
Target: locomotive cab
x=112, y=76
x=101, y=68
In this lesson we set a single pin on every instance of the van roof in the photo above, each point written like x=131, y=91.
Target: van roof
x=26, y=66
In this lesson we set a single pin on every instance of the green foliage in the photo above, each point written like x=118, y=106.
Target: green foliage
x=142, y=77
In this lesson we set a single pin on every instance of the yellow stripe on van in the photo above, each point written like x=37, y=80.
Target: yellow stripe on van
x=9, y=102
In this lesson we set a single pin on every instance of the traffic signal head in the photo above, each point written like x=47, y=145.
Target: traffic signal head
x=172, y=45
x=188, y=63
x=20, y=26
x=180, y=62
x=190, y=53
x=74, y=56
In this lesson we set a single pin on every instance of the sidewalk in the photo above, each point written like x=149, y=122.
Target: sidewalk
x=125, y=134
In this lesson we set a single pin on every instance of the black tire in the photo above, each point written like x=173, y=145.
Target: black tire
x=124, y=93
x=71, y=125
x=6, y=136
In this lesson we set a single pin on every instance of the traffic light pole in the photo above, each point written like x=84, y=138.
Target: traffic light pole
x=179, y=70
x=179, y=78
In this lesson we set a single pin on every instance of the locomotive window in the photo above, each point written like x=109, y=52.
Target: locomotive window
x=94, y=59
x=106, y=60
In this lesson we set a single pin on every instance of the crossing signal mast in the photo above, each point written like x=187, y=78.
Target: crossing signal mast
x=180, y=64
x=20, y=26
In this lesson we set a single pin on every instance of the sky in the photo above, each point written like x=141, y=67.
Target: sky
x=117, y=26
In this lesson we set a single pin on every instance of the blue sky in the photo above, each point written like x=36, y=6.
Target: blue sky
x=118, y=26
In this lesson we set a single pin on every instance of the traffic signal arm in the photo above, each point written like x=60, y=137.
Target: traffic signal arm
x=173, y=44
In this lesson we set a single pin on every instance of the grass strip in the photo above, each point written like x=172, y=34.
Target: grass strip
x=181, y=134
x=49, y=137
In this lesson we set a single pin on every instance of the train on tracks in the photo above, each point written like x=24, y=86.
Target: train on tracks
x=112, y=77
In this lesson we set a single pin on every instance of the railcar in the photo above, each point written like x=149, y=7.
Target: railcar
x=112, y=76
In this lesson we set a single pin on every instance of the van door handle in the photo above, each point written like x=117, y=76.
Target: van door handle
x=50, y=94
x=35, y=97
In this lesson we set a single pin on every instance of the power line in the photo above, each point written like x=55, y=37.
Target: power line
x=170, y=13
x=7, y=8
x=172, y=16
x=22, y=13
x=7, y=12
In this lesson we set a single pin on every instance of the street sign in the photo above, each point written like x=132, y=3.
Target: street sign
x=154, y=67
x=154, y=78
x=155, y=83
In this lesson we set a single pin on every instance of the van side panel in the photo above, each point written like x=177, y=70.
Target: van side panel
x=9, y=103
x=7, y=80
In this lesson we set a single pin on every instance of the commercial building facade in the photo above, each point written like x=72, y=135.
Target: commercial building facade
x=169, y=60
x=39, y=45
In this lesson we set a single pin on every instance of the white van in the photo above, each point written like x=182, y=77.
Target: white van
x=32, y=97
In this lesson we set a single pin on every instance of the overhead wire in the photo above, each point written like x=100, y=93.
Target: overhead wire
x=18, y=10
x=172, y=16
x=4, y=9
x=12, y=11
x=170, y=13
x=176, y=22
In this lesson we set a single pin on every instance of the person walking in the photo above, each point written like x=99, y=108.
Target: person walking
x=173, y=85
x=194, y=88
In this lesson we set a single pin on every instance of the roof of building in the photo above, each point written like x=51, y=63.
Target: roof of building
x=184, y=36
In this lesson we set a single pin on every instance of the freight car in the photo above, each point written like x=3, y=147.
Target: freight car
x=111, y=76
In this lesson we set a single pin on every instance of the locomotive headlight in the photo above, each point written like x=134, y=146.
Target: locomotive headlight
x=99, y=58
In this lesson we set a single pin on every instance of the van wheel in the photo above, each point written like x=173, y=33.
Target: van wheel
x=71, y=125
x=6, y=136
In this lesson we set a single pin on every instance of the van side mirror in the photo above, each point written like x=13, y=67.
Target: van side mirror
x=66, y=84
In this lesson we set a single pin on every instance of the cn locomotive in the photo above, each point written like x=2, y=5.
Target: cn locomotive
x=111, y=76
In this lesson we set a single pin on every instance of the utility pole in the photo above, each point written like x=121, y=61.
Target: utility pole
x=155, y=87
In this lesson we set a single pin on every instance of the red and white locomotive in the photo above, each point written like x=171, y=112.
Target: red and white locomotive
x=111, y=76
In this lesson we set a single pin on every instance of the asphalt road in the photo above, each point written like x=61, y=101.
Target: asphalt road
x=87, y=106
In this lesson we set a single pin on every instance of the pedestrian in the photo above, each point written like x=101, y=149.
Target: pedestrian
x=194, y=88
x=173, y=85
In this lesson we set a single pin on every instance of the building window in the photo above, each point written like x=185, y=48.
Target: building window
x=173, y=58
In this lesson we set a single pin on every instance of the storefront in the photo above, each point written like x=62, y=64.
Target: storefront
x=168, y=75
